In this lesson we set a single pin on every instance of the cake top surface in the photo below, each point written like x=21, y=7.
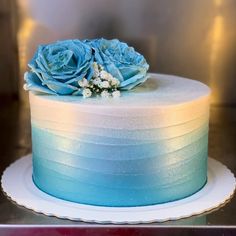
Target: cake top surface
x=158, y=90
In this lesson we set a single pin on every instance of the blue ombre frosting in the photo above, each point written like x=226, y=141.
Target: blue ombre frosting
x=145, y=148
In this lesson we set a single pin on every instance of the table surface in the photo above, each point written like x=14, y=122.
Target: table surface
x=15, y=141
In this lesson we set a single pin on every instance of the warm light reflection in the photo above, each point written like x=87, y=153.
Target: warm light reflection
x=24, y=35
x=216, y=44
x=218, y=3
x=217, y=34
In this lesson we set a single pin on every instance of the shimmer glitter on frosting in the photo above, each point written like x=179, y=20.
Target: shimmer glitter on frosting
x=146, y=147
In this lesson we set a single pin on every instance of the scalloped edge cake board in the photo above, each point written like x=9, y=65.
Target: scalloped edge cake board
x=17, y=183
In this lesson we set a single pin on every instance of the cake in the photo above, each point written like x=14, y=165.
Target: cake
x=138, y=142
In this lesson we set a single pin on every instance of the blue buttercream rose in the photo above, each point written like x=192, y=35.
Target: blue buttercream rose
x=58, y=67
x=87, y=68
x=120, y=60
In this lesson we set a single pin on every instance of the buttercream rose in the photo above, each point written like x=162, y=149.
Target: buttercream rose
x=58, y=67
x=121, y=61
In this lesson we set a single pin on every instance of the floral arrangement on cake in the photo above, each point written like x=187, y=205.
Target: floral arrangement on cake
x=98, y=67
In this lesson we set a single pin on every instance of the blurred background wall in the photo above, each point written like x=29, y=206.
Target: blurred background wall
x=9, y=71
x=195, y=39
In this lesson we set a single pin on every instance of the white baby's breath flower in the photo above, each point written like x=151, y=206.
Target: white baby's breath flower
x=104, y=84
x=87, y=93
x=116, y=94
x=105, y=94
x=91, y=86
x=105, y=75
x=115, y=82
x=96, y=81
x=96, y=69
x=83, y=83
x=100, y=84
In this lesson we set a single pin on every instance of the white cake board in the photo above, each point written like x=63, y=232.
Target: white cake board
x=18, y=185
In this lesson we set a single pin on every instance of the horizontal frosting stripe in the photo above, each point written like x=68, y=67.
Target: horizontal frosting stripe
x=44, y=138
x=122, y=166
x=117, y=156
x=159, y=179
x=151, y=166
x=135, y=134
x=165, y=120
x=103, y=141
x=90, y=139
x=141, y=138
x=80, y=185
x=110, y=112
x=54, y=154
x=92, y=195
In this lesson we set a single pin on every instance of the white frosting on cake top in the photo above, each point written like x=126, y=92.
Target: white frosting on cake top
x=159, y=90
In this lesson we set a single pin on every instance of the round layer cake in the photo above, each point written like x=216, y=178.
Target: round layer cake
x=146, y=147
